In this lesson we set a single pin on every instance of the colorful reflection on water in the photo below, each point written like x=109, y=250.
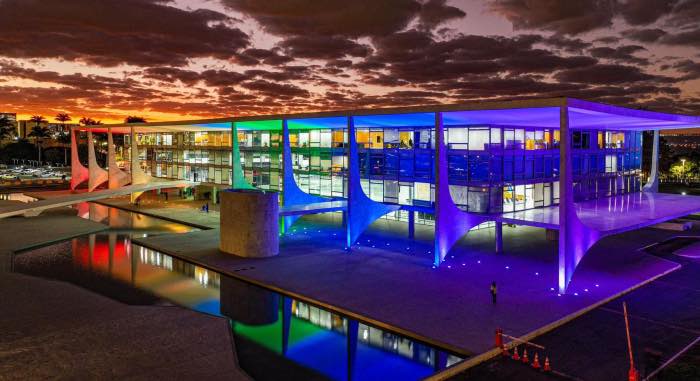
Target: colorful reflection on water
x=280, y=330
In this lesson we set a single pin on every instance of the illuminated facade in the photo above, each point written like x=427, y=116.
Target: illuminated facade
x=561, y=164
x=492, y=169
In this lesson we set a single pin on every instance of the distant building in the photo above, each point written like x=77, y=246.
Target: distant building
x=683, y=143
x=24, y=127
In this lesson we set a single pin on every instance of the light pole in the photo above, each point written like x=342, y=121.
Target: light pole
x=683, y=168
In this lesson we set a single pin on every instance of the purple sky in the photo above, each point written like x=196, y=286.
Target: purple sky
x=205, y=58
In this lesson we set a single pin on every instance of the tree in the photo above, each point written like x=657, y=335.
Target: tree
x=683, y=168
x=7, y=127
x=86, y=121
x=65, y=140
x=134, y=119
x=38, y=132
x=64, y=136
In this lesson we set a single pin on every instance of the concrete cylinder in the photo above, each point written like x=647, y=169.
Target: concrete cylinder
x=249, y=225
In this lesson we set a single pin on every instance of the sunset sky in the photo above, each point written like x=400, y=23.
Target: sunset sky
x=167, y=60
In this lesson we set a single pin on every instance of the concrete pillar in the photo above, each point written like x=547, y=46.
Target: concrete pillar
x=238, y=177
x=78, y=172
x=117, y=177
x=499, y=237
x=249, y=223
x=652, y=184
x=96, y=175
x=411, y=224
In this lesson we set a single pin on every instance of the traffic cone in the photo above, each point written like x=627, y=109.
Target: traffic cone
x=525, y=359
x=546, y=367
x=516, y=357
x=536, y=362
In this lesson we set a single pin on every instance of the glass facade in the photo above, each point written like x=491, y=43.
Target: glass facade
x=492, y=169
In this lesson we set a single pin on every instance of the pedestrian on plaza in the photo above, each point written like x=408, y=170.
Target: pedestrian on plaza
x=206, y=207
x=494, y=292
x=166, y=196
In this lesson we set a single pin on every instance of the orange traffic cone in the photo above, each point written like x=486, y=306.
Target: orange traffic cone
x=525, y=359
x=516, y=356
x=536, y=362
x=546, y=367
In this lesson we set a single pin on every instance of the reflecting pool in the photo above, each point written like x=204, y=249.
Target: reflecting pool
x=276, y=337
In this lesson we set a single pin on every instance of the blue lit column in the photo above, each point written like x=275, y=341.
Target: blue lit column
x=411, y=224
x=575, y=238
x=451, y=223
x=362, y=210
x=353, y=328
x=652, y=184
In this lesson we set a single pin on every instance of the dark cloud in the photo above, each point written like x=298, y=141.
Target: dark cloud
x=563, y=17
x=685, y=13
x=275, y=90
x=685, y=38
x=113, y=32
x=644, y=12
x=689, y=68
x=256, y=56
x=644, y=35
x=623, y=53
x=606, y=74
x=436, y=12
x=329, y=17
x=323, y=47
x=567, y=44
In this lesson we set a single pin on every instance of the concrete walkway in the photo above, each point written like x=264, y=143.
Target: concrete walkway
x=388, y=280
x=37, y=207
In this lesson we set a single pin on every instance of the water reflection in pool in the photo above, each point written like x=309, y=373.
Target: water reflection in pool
x=276, y=337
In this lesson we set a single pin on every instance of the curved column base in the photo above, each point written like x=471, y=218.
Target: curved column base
x=78, y=173
x=574, y=243
x=96, y=175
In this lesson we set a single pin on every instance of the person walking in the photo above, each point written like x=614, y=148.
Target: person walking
x=494, y=292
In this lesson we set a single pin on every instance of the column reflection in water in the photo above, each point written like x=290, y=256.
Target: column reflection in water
x=271, y=332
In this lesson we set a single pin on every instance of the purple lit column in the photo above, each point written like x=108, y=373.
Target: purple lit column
x=451, y=223
x=575, y=238
x=499, y=237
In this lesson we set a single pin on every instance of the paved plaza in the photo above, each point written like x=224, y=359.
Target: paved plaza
x=389, y=279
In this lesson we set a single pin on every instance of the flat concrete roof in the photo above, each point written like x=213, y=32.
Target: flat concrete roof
x=542, y=112
x=614, y=214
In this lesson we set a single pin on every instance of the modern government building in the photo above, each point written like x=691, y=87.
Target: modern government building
x=561, y=164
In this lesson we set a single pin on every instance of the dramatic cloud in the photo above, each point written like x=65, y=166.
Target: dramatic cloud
x=113, y=32
x=565, y=17
x=171, y=59
x=324, y=47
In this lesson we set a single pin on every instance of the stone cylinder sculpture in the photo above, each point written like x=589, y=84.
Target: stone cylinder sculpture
x=249, y=226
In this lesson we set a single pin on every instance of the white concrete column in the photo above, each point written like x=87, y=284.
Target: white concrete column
x=652, y=184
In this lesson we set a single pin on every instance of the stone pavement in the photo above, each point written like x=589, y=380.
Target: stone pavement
x=185, y=212
x=388, y=280
x=60, y=331
x=664, y=319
